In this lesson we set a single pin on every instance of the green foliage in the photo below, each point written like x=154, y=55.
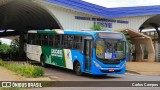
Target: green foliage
x=97, y=27
x=14, y=45
x=129, y=42
x=1, y=62
x=4, y=48
x=26, y=69
x=10, y=51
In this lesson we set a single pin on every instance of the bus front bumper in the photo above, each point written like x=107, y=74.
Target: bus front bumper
x=109, y=70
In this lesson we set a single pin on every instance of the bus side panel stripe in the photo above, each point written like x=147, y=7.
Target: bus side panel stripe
x=58, y=31
x=34, y=52
x=68, y=58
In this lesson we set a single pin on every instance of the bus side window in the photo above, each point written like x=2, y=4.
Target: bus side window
x=51, y=40
x=45, y=40
x=77, y=44
x=28, y=39
x=38, y=39
x=57, y=41
x=67, y=41
x=31, y=39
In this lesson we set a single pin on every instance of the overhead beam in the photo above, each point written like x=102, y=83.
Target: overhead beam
x=11, y=33
x=140, y=29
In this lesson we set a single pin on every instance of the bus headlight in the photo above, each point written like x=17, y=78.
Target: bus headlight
x=97, y=65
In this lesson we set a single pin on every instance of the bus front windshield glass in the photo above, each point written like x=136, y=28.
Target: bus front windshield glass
x=110, y=49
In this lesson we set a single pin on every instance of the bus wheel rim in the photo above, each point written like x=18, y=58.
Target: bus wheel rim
x=78, y=69
x=42, y=62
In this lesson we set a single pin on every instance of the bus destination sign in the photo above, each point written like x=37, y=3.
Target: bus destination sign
x=110, y=35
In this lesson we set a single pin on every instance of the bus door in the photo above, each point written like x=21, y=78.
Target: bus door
x=87, y=54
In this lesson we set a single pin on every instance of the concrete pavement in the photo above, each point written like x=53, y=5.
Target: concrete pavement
x=7, y=75
x=144, y=68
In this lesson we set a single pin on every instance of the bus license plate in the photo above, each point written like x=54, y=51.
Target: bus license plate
x=111, y=69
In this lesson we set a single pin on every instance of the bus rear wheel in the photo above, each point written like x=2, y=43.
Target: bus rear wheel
x=42, y=60
x=77, y=69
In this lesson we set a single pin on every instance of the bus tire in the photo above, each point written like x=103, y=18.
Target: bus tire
x=42, y=61
x=77, y=69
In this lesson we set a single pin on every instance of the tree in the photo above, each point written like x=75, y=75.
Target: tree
x=97, y=27
x=14, y=46
x=10, y=51
x=129, y=45
x=5, y=49
x=14, y=52
x=128, y=38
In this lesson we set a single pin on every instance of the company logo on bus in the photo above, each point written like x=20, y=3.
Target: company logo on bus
x=56, y=52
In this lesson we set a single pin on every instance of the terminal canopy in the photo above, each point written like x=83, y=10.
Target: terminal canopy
x=23, y=15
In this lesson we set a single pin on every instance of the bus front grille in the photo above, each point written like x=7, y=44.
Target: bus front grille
x=111, y=61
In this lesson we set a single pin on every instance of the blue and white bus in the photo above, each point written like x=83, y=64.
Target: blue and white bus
x=93, y=52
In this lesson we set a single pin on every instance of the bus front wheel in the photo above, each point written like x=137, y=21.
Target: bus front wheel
x=43, y=64
x=77, y=69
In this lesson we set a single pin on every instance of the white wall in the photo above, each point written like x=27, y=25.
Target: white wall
x=66, y=18
x=134, y=22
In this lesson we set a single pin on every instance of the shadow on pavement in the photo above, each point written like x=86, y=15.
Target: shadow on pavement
x=71, y=72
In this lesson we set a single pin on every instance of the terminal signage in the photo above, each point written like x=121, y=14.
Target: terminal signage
x=102, y=21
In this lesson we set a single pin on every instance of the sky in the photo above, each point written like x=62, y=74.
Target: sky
x=124, y=3
x=6, y=41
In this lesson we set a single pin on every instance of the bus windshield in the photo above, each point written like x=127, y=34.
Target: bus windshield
x=110, y=49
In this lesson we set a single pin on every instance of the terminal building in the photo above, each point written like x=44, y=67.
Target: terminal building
x=141, y=23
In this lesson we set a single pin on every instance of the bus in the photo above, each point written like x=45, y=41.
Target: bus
x=93, y=52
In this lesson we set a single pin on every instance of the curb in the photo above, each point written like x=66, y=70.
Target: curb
x=132, y=72
x=141, y=73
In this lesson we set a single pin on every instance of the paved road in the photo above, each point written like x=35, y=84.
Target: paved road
x=61, y=74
